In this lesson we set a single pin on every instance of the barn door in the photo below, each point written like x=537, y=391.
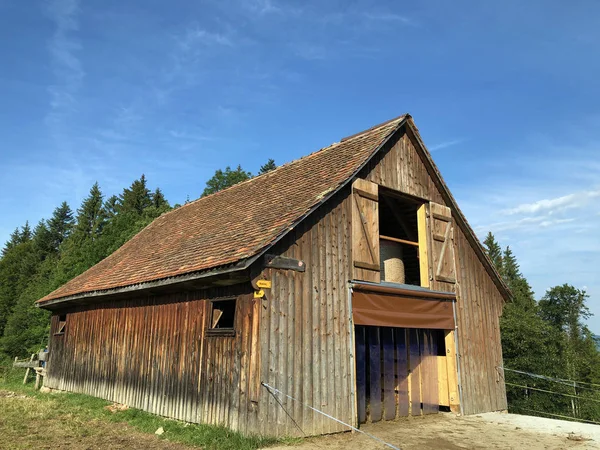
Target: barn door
x=365, y=231
x=443, y=266
x=396, y=372
x=438, y=259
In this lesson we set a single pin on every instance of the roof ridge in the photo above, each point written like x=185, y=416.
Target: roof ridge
x=270, y=172
x=387, y=122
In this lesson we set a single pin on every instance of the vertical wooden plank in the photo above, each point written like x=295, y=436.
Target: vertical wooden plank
x=433, y=385
x=429, y=372
x=361, y=375
x=415, y=372
x=375, y=374
x=423, y=245
x=317, y=333
x=308, y=354
x=321, y=361
x=402, y=371
x=389, y=394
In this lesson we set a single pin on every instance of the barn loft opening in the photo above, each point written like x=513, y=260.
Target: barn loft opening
x=398, y=239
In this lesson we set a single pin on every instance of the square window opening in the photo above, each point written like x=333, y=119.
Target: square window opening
x=223, y=315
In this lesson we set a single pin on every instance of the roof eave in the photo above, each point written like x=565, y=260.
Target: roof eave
x=140, y=287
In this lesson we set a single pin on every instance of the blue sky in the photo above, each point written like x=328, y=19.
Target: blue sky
x=505, y=94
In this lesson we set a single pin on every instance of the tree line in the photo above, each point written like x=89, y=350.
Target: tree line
x=548, y=336
x=37, y=260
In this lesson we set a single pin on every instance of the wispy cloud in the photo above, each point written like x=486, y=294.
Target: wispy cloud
x=310, y=52
x=195, y=36
x=67, y=67
x=553, y=205
x=389, y=17
x=446, y=144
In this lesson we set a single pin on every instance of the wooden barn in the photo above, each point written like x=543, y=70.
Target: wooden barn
x=348, y=279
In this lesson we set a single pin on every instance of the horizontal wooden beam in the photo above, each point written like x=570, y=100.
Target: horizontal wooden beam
x=282, y=262
x=366, y=265
x=366, y=194
x=401, y=241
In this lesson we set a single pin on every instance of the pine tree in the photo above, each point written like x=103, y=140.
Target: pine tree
x=90, y=218
x=159, y=201
x=13, y=241
x=136, y=198
x=224, y=179
x=60, y=225
x=111, y=206
x=268, y=166
x=26, y=233
x=520, y=288
x=42, y=240
x=494, y=251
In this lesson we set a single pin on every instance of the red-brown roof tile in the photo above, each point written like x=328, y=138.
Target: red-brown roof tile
x=230, y=225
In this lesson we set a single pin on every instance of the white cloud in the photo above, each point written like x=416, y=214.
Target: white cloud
x=389, y=17
x=194, y=37
x=544, y=205
x=553, y=205
x=67, y=67
x=446, y=144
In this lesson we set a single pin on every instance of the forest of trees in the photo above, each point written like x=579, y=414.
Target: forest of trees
x=546, y=336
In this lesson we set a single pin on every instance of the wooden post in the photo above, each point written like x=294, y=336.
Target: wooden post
x=423, y=251
x=28, y=369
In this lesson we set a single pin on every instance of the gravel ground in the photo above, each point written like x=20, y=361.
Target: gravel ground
x=449, y=432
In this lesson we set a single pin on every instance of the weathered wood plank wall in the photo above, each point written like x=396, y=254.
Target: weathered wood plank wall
x=479, y=303
x=151, y=353
x=305, y=338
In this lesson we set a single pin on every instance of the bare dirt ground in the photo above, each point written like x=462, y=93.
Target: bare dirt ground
x=449, y=432
x=27, y=423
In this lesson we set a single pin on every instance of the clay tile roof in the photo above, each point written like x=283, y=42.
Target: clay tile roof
x=231, y=225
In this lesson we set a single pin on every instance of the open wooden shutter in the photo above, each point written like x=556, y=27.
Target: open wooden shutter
x=442, y=243
x=365, y=231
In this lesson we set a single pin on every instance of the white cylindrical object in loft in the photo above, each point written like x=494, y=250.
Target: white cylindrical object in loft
x=391, y=263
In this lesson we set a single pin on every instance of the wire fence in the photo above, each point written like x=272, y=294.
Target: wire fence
x=580, y=396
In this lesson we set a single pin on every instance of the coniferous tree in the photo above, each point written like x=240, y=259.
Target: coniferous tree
x=90, y=218
x=111, y=206
x=520, y=288
x=159, y=201
x=42, y=240
x=521, y=331
x=136, y=198
x=493, y=250
x=268, y=166
x=13, y=240
x=60, y=225
x=25, y=233
x=35, y=263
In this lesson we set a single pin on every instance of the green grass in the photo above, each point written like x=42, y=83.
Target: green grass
x=85, y=409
